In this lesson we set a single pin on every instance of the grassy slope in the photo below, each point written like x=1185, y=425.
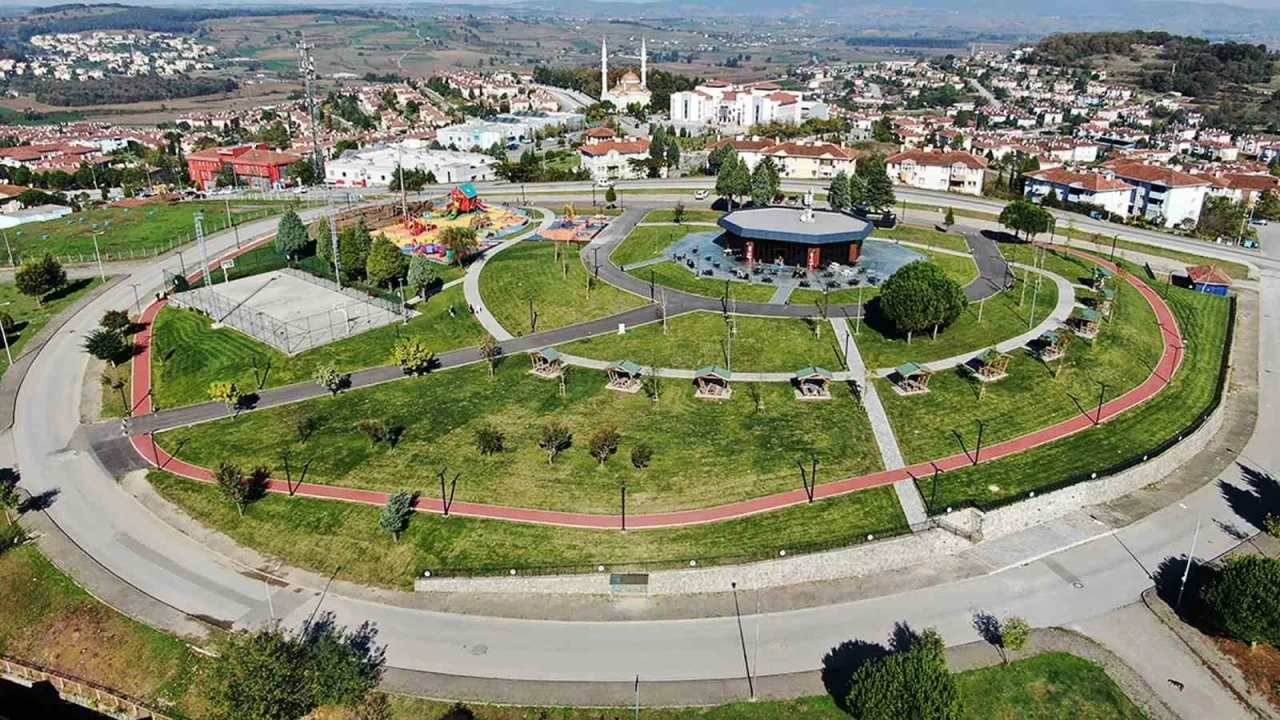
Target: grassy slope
x=924, y=236
x=678, y=277
x=1203, y=321
x=47, y=620
x=318, y=533
x=29, y=318
x=530, y=271
x=747, y=455
x=188, y=353
x=697, y=339
x=140, y=228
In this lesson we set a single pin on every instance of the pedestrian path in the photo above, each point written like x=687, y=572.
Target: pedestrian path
x=782, y=295
x=890, y=453
x=471, y=281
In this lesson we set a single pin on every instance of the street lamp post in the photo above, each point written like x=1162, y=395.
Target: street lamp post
x=101, y=272
x=5, y=334
x=137, y=301
x=1186, y=571
x=751, y=687
x=234, y=227
x=6, y=246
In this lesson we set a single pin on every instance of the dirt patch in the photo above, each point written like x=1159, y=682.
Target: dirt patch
x=1260, y=666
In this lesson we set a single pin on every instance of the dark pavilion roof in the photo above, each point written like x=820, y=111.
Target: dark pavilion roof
x=783, y=224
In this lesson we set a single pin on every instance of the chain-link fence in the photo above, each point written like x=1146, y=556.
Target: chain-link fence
x=358, y=313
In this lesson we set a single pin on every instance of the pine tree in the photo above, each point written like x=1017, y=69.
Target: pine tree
x=879, y=192
x=396, y=513
x=761, y=188
x=291, y=236
x=838, y=192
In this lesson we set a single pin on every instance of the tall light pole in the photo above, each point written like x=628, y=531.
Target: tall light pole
x=5, y=334
x=137, y=301
x=101, y=272
x=6, y=246
x=751, y=686
x=1186, y=571
x=204, y=255
x=232, y=224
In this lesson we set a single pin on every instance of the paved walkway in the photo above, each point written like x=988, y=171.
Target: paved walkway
x=471, y=281
x=890, y=454
x=1171, y=357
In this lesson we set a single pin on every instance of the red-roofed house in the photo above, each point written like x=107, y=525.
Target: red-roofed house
x=599, y=134
x=953, y=171
x=1101, y=189
x=254, y=166
x=611, y=159
x=1166, y=196
x=811, y=159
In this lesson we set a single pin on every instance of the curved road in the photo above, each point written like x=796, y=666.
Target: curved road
x=1067, y=587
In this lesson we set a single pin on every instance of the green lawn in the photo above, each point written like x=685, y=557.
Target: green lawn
x=961, y=269
x=141, y=229
x=646, y=243
x=924, y=236
x=749, y=454
x=1002, y=319
x=188, y=353
x=317, y=534
x=698, y=339
x=1203, y=321
x=1054, y=686
x=690, y=216
x=47, y=620
x=1030, y=398
x=29, y=317
x=678, y=277
x=558, y=288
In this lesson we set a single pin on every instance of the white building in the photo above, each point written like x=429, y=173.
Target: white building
x=799, y=159
x=1103, y=190
x=719, y=104
x=610, y=159
x=630, y=89
x=953, y=171
x=374, y=166
x=1163, y=195
x=503, y=129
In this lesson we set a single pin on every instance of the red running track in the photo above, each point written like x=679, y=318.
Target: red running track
x=1170, y=359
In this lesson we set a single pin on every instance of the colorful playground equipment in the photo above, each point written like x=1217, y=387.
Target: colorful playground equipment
x=571, y=227
x=462, y=207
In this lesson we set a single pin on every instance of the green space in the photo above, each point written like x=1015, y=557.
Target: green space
x=47, y=620
x=699, y=339
x=1203, y=320
x=560, y=289
x=690, y=216
x=29, y=317
x=188, y=353
x=646, y=243
x=1002, y=318
x=924, y=236
x=704, y=452
x=264, y=258
x=143, y=229
x=316, y=534
x=1031, y=397
x=1054, y=686
x=678, y=277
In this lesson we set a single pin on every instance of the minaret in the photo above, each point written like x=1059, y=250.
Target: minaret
x=604, y=69
x=644, y=65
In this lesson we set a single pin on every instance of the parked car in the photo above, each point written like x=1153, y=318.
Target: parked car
x=1259, y=221
x=700, y=195
x=604, y=183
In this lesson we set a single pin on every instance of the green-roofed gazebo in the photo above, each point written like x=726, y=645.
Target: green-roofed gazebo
x=624, y=376
x=712, y=383
x=813, y=383
x=911, y=378
x=1105, y=300
x=989, y=365
x=1085, y=322
x=1101, y=276
x=1051, y=345
x=547, y=363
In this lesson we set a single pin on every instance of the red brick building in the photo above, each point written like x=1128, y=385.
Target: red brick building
x=254, y=166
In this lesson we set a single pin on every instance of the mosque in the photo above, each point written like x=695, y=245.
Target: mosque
x=630, y=89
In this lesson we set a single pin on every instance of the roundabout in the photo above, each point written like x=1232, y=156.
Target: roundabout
x=428, y=647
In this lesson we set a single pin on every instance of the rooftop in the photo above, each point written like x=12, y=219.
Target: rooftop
x=784, y=224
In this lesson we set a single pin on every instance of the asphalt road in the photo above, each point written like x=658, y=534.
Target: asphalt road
x=1065, y=587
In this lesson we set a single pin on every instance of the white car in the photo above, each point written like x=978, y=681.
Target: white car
x=604, y=183
x=700, y=195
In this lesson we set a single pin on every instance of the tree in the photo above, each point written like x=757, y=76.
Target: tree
x=291, y=236
x=353, y=249
x=911, y=683
x=677, y=213
x=610, y=195
x=736, y=180
x=1268, y=206
x=386, y=263
x=1222, y=218
x=299, y=419
x=725, y=169
x=857, y=190
x=763, y=187
x=396, y=513
x=490, y=350
x=40, y=276
x=555, y=439
x=461, y=241
x=328, y=377
x=950, y=219
x=111, y=320
x=603, y=443
x=274, y=674
x=422, y=274
x=324, y=243
x=240, y=490
x=374, y=429
x=641, y=455
x=1014, y=633
x=1243, y=599
x=489, y=439
x=838, y=192
x=920, y=295
x=226, y=393
x=108, y=344
x=673, y=154
x=879, y=188
x=8, y=493
x=413, y=356
x=1026, y=216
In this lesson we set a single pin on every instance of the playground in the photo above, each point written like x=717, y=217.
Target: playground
x=421, y=235
x=572, y=227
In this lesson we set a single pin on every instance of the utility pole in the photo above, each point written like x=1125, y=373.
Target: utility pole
x=307, y=68
x=751, y=687
x=101, y=272
x=232, y=224
x=204, y=255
